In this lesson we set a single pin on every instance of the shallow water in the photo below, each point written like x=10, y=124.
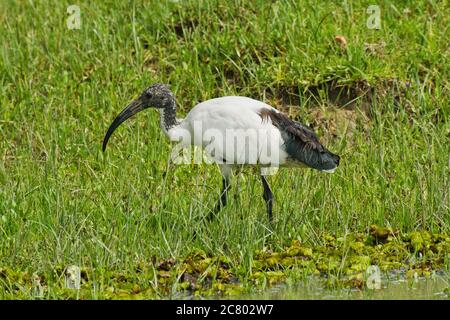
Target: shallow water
x=401, y=289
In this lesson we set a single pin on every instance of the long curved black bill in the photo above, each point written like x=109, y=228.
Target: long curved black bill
x=133, y=108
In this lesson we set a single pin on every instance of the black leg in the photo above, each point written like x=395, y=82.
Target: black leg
x=268, y=197
x=223, y=198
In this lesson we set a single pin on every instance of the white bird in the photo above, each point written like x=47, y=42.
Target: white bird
x=235, y=131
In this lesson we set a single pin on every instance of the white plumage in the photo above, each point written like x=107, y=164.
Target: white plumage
x=236, y=118
x=235, y=131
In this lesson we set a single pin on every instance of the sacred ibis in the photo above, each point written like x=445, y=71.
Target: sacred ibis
x=235, y=131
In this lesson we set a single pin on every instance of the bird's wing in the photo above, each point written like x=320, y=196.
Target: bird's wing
x=294, y=133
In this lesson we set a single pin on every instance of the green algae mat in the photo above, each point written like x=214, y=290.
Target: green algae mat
x=343, y=262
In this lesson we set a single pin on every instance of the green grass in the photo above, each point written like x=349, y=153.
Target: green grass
x=63, y=202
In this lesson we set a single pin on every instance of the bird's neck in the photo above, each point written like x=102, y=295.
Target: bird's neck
x=168, y=119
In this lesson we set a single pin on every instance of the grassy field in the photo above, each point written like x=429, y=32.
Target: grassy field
x=381, y=101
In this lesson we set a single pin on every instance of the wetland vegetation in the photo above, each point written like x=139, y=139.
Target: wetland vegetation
x=134, y=223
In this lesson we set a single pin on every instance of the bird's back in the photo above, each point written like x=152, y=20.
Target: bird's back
x=231, y=107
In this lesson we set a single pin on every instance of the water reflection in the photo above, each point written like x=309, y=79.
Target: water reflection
x=420, y=288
